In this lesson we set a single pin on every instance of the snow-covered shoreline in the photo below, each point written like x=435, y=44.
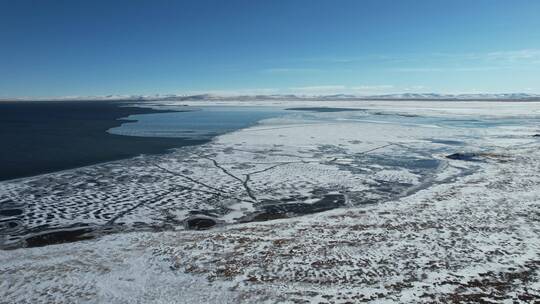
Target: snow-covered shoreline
x=476, y=238
x=462, y=237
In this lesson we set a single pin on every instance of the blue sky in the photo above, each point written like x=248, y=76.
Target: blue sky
x=75, y=47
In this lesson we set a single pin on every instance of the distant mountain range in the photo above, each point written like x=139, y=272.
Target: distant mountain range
x=209, y=97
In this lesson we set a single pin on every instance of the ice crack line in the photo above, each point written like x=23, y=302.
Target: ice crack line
x=157, y=197
x=218, y=192
x=268, y=152
x=248, y=176
x=123, y=213
x=244, y=183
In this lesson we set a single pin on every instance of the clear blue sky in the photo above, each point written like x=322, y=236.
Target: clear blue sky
x=76, y=47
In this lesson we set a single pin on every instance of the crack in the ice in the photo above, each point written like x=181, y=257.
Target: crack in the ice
x=123, y=213
x=290, y=127
x=267, y=152
x=219, y=191
x=248, y=176
x=248, y=190
x=156, y=198
x=217, y=165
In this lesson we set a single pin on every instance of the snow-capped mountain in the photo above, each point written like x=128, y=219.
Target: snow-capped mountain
x=434, y=96
x=206, y=97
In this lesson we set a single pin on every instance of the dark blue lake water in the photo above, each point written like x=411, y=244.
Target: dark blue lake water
x=41, y=137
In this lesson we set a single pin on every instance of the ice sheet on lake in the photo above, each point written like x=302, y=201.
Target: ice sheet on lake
x=442, y=230
x=278, y=168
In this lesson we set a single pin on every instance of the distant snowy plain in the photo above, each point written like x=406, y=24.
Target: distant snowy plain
x=402, y=223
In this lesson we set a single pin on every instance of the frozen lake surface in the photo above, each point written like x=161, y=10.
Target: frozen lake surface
x=283, y=163
x=403, y=221
x=195, y=122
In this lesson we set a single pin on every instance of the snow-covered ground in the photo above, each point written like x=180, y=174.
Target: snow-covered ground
x=410, y=225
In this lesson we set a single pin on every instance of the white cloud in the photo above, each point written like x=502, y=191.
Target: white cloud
x=525, y=55
x=382, y=87
x=513, y=56
x=415, y=88
x=458, y=69
x=320, y=89
x=502, y=56
x=348, y=59
x=355, y=90
x=289, y=70
x=236, y=92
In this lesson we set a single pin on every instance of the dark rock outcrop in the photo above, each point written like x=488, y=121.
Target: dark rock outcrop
x=199, y=222
x=464, y=156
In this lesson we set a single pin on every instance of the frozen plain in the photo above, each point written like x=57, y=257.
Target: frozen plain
x=410, y=224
